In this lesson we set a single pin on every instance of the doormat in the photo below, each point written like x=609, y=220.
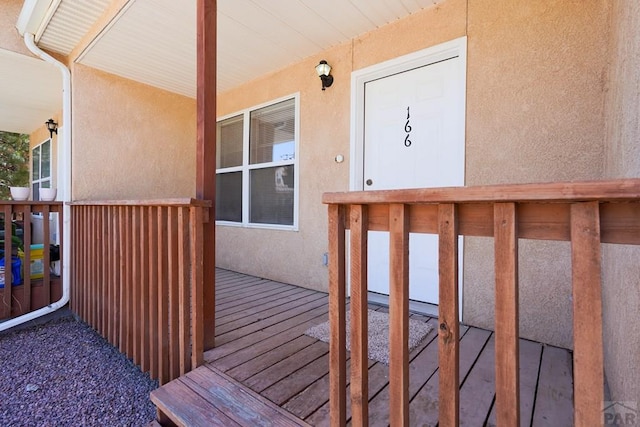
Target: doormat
x=378, y=334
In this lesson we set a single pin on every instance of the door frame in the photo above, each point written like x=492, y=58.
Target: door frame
x=454, y=48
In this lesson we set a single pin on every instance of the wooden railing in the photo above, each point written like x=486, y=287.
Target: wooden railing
x=137, y=279
x=28, y=294
x=584, y=213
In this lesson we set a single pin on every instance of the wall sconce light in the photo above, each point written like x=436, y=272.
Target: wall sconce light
x=323, y=69
x=52, y=127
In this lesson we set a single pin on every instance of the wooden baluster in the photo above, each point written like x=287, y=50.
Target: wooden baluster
x=129, y=285
x=78, y=259
x=183, y=291
x=337, y=317
x=359, y=318
x=46, y=258
x=108, y=274
x=172, y=278
x=99, y=265
x=587, y=314
x=197, y=307
x=8, y=276
x=163, y=297
x=75, y=256
x=26, y=266
x=136, y=285
x=115, y=274
x=145, y=305
x=122, y=302
x=399, y=315
x=506, y=322
x=90, y=265
x=152, y=253
x=448, y=334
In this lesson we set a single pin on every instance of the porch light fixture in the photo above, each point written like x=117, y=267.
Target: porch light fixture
x=323, y=69
x=52, y=127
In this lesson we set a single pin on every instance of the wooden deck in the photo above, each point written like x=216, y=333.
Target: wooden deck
x=261, y=343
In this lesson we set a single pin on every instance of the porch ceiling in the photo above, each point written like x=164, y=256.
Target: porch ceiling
x=29, y=92
x=154, y=41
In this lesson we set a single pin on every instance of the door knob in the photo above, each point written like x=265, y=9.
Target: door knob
x=369, y=182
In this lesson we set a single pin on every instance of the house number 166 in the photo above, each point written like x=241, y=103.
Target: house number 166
x=407, y=129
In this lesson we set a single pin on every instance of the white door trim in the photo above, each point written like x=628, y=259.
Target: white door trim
x=454, y=48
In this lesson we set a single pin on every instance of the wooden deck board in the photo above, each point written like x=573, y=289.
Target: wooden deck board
x=287, y=366
x=265, y=360
x=239, y=311
x=424, y=405
x=262, y=345
x=555, y=388
x=319, y=301
x=478, y=390
x=242, y=305
x=530, y=353
x=293, y=327
x=263, y=313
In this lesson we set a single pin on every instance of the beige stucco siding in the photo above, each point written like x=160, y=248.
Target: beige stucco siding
x=621, y=269
x=534, y=113
x=10, y=39
x=296, y=256
x=535, y=86
x=130, y=141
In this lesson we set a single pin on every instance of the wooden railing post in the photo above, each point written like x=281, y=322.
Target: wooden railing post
x=359, y=318
x=448, y=334
x=506, y=323
x=399, y=315
x=337, y=317
x=587, y=306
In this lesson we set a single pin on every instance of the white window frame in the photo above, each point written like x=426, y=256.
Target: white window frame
x=246, y=167
x=42, y=180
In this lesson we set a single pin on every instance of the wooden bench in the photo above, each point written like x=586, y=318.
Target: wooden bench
x=208, y=397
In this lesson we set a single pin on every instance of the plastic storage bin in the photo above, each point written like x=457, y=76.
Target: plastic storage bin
x=37, y=261
x=16, y=272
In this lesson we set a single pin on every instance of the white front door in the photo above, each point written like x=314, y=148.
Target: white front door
x=412, y=136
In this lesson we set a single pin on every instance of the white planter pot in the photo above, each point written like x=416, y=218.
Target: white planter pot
x=20, y=193
x=48, y=194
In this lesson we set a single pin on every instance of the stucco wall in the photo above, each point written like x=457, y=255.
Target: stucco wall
x=130, y=141
x=9, y=37
x=621, y=270
x=296, y=256
x=534, y=113
x=535, y=87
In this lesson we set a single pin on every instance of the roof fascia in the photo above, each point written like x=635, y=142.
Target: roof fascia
x=33, y=14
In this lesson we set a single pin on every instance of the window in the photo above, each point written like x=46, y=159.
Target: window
x=40, y=168
x=256, y=166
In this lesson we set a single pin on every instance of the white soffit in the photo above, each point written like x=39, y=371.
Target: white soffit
x=69, y=24
x=154, y=41
x=31, y=92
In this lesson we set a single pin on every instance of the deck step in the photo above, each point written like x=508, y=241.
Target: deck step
x=208, y=397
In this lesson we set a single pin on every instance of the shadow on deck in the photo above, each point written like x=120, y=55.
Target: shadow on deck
x=260, y=344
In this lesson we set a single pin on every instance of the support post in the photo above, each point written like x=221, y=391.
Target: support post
x=206, y=155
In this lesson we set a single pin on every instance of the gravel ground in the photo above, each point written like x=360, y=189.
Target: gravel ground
x=63, y=373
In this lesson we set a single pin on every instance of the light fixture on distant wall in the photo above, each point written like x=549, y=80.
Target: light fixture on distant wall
x=52, y=127
x=323, y=69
